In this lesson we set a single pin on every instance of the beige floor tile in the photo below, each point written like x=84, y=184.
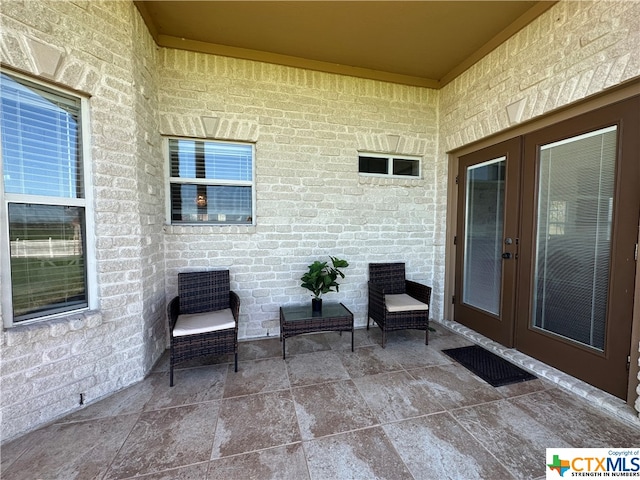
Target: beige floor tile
x=312, y=368
x=361, y=455
x=325, y=413
x=436, y=446
x=129, y=400
x=190, y=472
x=369, y=360
x=165, y=439
x=396, y=396
x=260, y=349
x=193, y=385
x=257, y=376
x=396, y=337
x=307, y=343
x=202, y=361
x=524, y=388
x=413, y=353
x=454, y=386
x=442, y=340
x=70, y=450
x=361, y=338
x=280, y=463
x=255, y=422
x=516, y=438
x=331, y=408
x=576, y=422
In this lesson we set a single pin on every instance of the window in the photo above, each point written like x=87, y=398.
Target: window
x=557, y=217
x=387, y=165
x=44, y=202
x=210, y=182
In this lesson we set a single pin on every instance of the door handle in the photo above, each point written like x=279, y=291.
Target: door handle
x=506, y=255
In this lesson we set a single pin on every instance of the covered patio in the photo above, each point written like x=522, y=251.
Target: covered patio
x=403, y=412
x=85, y=392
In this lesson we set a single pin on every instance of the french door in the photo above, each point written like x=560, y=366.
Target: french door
x=487, y=240
x=546, y=243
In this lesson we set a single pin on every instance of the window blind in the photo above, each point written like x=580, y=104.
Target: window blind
x=210, y=182
x=574, y=249
x=210, y=160
x=40, y=142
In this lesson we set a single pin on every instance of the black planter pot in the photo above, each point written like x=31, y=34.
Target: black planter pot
x=316, y=305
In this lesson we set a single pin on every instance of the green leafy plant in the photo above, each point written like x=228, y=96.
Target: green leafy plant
x=321, y=277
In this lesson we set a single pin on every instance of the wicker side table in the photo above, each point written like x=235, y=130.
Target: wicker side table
x=299, y=319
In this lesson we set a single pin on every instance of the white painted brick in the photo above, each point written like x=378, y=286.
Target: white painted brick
x=98, y=59
x=308, y=127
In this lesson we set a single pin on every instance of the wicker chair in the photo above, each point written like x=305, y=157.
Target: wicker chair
x=203, y=318
x=396, y=303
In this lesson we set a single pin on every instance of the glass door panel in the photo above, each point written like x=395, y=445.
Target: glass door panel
x=573, y=240
x=578, y=234
x=484, y=225
x=486, y=239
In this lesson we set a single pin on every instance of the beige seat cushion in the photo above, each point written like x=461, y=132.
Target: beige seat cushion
x=193, y=323
x=403, y=303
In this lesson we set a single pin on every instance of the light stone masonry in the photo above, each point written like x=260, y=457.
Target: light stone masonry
x=307, y=128
x=46, y=366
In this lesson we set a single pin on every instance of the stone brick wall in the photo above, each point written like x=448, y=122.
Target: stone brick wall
x=308, y=128
x=311, y=203
x=104, y=50
x=150, y=196
x=574, y=50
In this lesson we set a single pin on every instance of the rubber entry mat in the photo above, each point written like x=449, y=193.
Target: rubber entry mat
x=494, y=370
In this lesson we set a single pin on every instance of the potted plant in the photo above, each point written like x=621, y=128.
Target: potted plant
x=321, y=278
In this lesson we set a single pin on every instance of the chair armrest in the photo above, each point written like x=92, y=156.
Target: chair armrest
x=418, y=291
x=234, y=304
x=376, y=290
x=376, y=300
x=173, y=310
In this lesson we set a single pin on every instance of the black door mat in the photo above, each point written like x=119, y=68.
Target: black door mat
x=493, y=369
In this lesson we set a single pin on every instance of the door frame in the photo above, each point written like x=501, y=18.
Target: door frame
x=602, y=99
x=500, y=327
x=573, y=356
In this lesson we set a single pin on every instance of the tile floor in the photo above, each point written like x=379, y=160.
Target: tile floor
x=324, y=413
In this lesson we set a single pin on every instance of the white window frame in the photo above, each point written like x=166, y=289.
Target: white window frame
x=208, y=182
x=391, y=158
x=86, y=203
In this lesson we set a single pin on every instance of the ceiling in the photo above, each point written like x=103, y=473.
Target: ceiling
x=424, y=43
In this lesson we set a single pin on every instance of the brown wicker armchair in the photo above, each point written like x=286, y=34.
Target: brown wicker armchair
x=396, y=303
x=203, y=318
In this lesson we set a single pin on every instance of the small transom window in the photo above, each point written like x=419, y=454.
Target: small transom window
x=388, y=165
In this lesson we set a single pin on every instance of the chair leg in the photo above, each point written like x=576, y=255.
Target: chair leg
x=384, y=338
x=171, y=375
x=235, y=356
x=426, y=340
